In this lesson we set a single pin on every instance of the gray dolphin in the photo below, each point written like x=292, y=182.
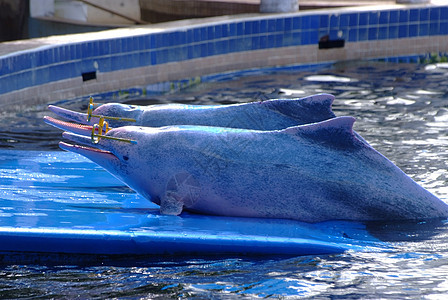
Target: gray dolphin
x=312, y=173
x=266, y=115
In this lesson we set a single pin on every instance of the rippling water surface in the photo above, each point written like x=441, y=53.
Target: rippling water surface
x=401, y=109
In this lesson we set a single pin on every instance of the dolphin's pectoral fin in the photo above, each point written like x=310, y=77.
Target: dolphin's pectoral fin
x=171, y=205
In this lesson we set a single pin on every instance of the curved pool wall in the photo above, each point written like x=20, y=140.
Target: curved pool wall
x=156, y=56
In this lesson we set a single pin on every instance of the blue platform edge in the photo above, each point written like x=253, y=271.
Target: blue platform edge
x=60, y=203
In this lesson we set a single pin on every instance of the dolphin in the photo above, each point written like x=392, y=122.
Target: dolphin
x=312, y=173
x=265, y=115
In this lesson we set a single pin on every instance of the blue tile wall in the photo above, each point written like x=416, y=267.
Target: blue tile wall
x=52, y=63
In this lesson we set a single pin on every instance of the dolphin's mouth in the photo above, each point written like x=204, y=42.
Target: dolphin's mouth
x=86, y=151
x=70, y=126
x=70, y=115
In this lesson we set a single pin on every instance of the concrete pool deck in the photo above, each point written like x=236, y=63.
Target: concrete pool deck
x=156, y=57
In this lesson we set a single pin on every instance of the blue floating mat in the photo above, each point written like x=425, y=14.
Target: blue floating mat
x=61, y=203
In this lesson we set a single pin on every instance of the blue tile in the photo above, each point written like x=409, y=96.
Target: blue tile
x=222, y=47
x=47, y=55
x=149, y=42
x=314, y=37
x=413, y=30
x=246, y=44
x=190, y=52
x=262, y=27
x=334, y=21
x=296, y=38
x=423, y=29
x=373, y=18
x=270, y=41
x=203, y=50
x=255, y=43
x=444, y=13
x=305, y=39
x=190, y=36
x=135, y=43
x=279, y=24
x=225, y=30
x=353, y=20
x=363, y=19
x=344, y=20
x=172, y=39
x=413, y=15
x=62, y=56
x=126, y=45
x=140, y=41
x=288, y=24
x=240, y=28
x=104, y=64
x=86, y=50
x=314, y=21
x=210, y=32
x=211, y=49
x=288, y=39
x=217, y=32
x=232, y=29
x=424, y=14
x=162, y=56
x=296, y=22
x=434, y=28
x=383, y=32
x=159, y=42
x=352, y=35
x=384, y=17
x=404, y=16
x=256, y=27
x=443, y=28
x=278, y=40
x=393, y=32
x=334, y=34
x=182, y=53
x=263, y=42
x=271, y=26
x=323, y=21
x=152, y=42
x=196, y=35
x=323, y=32
x=402, y=31
x=362, y=34
x=434, y=14
x=233, y=47
x=373, y=33
x=393, y=16
x=306, y=22
x=247, y=28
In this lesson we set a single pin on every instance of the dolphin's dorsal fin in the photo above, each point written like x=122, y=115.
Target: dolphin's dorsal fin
x=336, y=132
x=306, y=110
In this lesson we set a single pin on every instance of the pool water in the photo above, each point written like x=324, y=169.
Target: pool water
x=401, y=110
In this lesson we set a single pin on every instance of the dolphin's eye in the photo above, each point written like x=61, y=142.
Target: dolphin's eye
x=125, y=157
